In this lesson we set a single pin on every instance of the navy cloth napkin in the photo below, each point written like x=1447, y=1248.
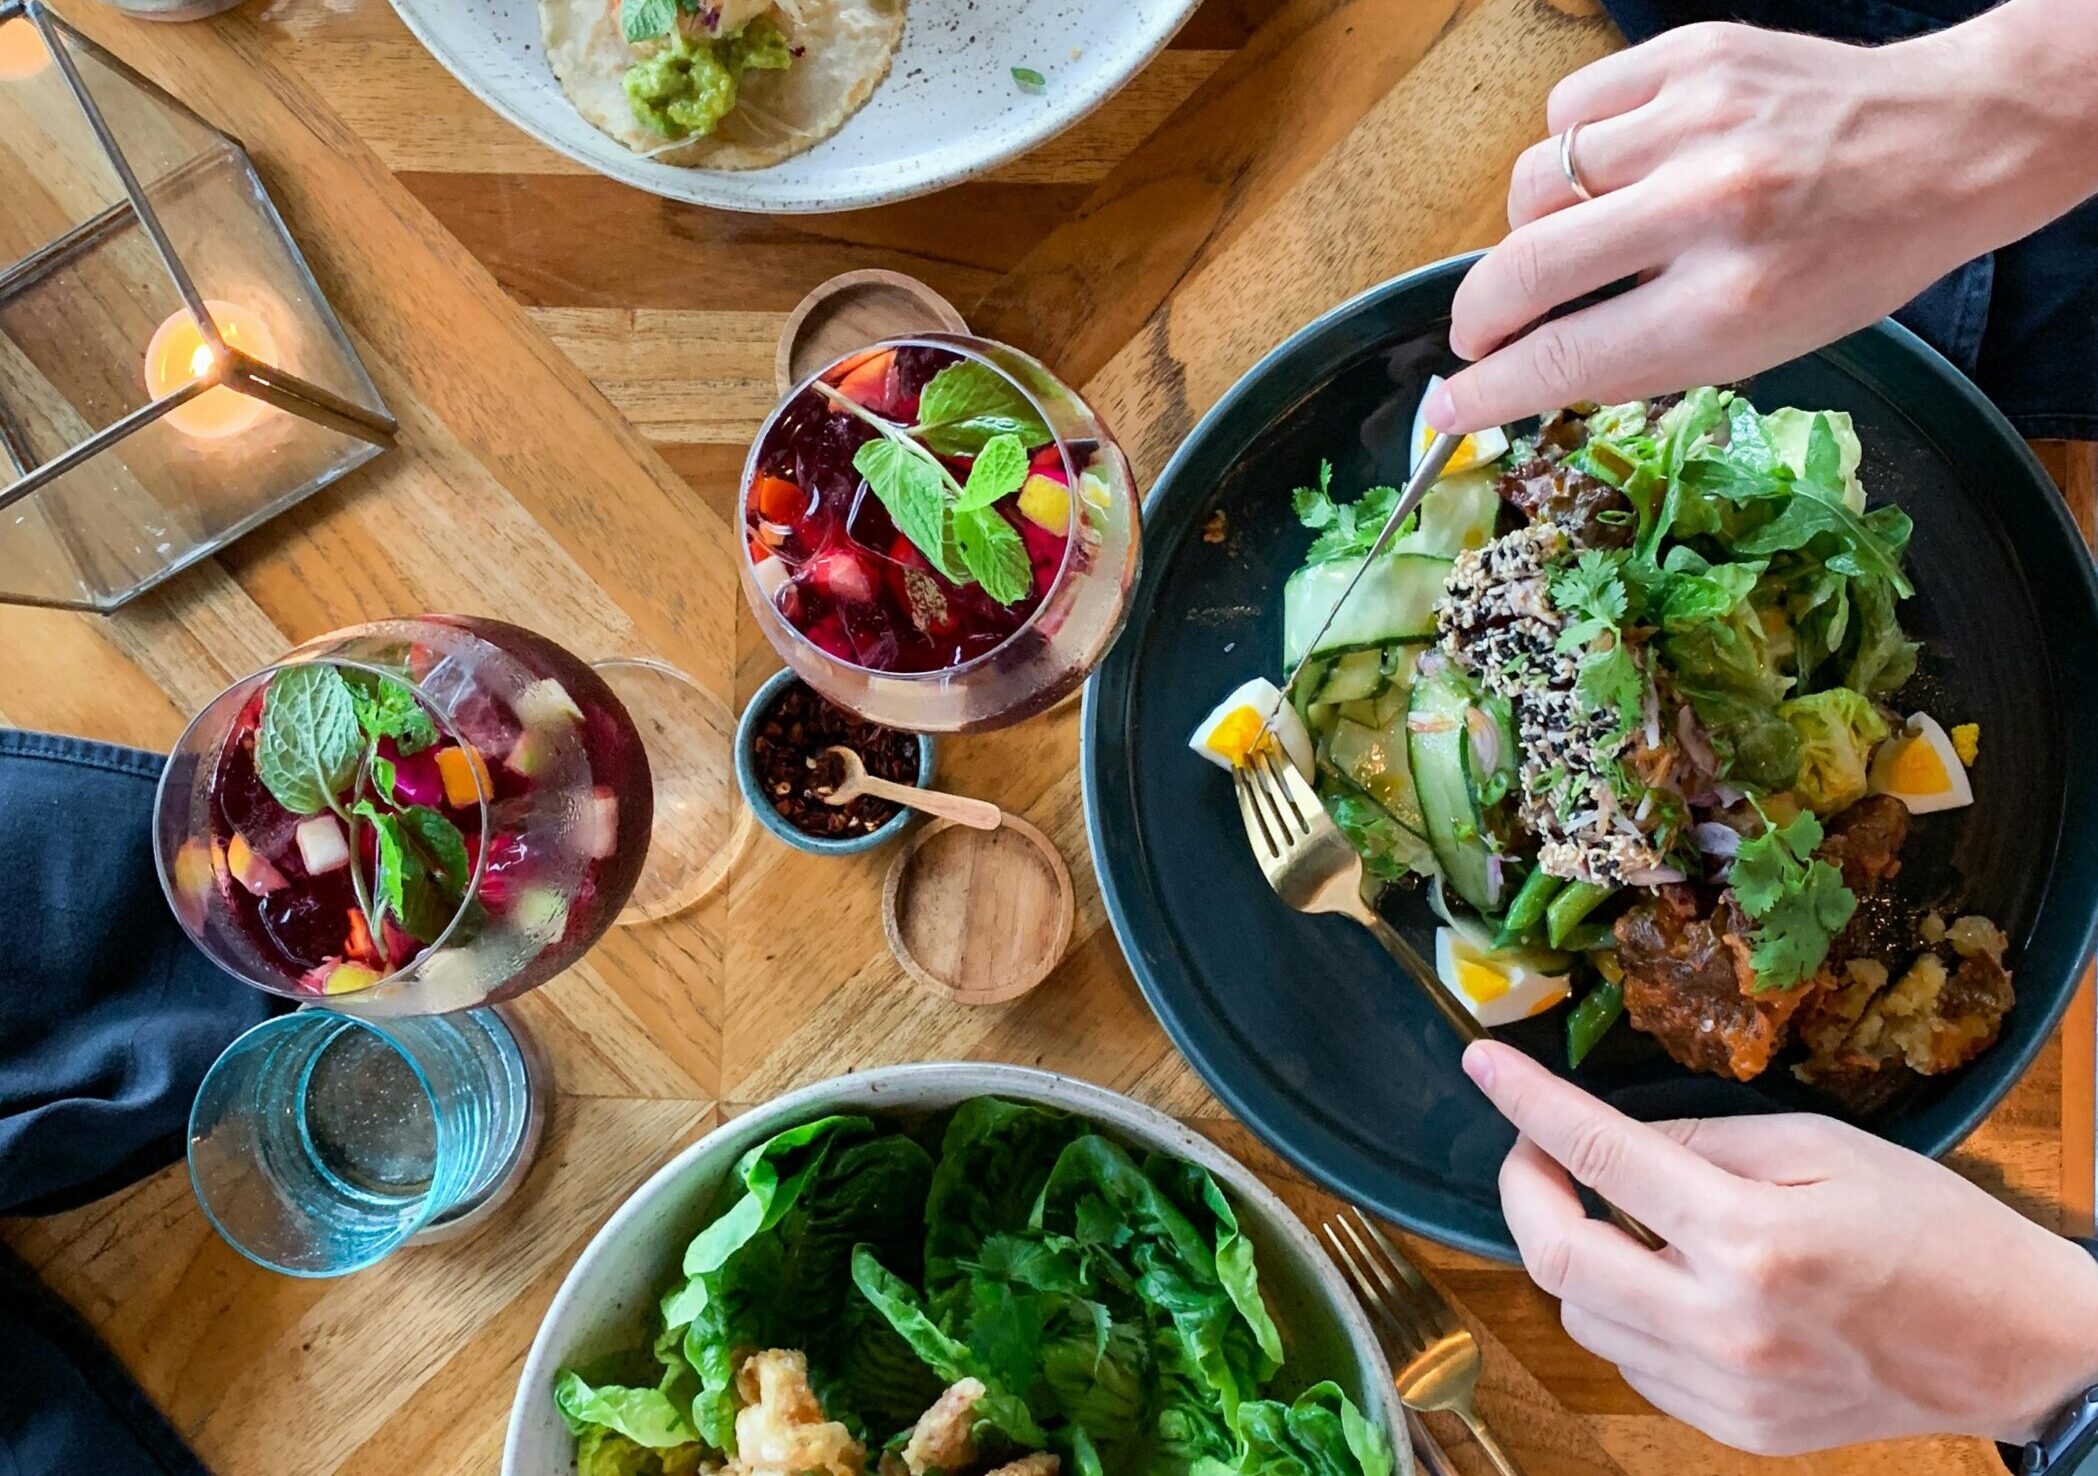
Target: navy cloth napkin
x=109, y=1016
x=2021, y=322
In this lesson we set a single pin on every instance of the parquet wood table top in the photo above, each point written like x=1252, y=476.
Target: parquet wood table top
x=578, y=369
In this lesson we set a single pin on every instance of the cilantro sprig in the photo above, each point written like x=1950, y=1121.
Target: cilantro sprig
x=317, y=750
x=967, y=409
x=1345, y=529
x=1599, y=602
x=1798, y=903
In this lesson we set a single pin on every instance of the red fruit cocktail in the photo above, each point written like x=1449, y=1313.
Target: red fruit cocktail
x=407, y=817
x=939, y=534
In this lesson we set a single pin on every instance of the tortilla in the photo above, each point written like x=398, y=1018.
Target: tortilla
x=844, y=45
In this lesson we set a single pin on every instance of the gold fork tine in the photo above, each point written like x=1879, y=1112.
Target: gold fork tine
x=1296, y=818
x=1423, y=1300
x=1287, y=825
x=1408, y=1336
x=1265, y=846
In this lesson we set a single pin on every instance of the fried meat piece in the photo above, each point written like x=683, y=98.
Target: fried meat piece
x=1688, y=984
x=781, y=1429
x=1043, y=1463
x=1864, y=842
x=943, y=1439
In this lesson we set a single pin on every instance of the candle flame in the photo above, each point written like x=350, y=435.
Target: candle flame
x=180, y=355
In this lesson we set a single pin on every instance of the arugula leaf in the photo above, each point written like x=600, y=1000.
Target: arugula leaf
x=1798, y=903
x=387, y=709
x=999, y=470
x=1817, y=507
x=994, y=554
x=308, y=747
x=914, y=494
x=644, y=20
x=966, y=404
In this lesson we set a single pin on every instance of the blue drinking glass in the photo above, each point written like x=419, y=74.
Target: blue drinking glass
x=320, y=1142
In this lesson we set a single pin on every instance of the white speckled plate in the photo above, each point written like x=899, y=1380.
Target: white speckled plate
x=949, y=109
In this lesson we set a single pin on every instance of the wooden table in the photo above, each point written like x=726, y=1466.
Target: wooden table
x=1276, y=159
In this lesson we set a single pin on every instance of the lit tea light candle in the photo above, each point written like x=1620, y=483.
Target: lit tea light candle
x=22, y=51
x=179, y=355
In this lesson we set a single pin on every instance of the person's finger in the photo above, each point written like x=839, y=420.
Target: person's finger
x=1790, y=1148
x=1626, y=79
x=1590, y=1263
x=1610, y=352
x=1649, y=1175
x=1553, y=261
x=1610, y=155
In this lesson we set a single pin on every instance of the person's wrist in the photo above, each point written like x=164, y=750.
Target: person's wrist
x=2063, y=1361
x=2021, y=115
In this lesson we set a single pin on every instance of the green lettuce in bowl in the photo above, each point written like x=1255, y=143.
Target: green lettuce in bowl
x=1106, y=1299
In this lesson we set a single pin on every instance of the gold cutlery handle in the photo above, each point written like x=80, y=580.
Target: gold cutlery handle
x=1496, y=1452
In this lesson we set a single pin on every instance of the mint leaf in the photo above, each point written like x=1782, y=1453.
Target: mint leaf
x=442, y=846
x=995, y=555
x=308, y=747
x=387, y=709
x=914, y=493
x=999, y=470
x=644, y=20
x=422, y=871
x=383, y=779
x=965, y=405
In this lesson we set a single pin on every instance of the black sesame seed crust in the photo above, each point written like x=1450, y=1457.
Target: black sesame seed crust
x=1498, y=623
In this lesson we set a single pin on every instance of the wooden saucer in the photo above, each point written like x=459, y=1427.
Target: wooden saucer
x=853, y=310
x=980, y=916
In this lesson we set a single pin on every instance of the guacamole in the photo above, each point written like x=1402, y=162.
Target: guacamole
x=688, y=86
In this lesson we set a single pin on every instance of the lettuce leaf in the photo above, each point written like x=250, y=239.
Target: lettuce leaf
x=1321, y=1434
x=1837, y=732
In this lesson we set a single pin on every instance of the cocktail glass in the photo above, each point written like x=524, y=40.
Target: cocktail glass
x=860, y=611
x=528, y=760
x=320, y=1142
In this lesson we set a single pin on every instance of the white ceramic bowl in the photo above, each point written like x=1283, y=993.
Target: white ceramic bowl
x=605, y=1303
x=949, y=108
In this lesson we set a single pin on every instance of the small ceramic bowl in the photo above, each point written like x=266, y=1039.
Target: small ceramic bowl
x=606, y=1300
x=761, y=804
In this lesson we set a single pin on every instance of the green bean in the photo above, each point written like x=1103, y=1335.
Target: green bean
x=1591, y=1019
x=1572, y=904
x=1527, y=908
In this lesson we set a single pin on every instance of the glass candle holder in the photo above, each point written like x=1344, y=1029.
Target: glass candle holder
x=320, y=1143
x=170, y=374
x=861, y=612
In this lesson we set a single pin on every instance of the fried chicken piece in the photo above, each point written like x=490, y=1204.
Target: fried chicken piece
x=1688, y=984
x=1043, y=1463
x=781, y=1429
x=943, y=1438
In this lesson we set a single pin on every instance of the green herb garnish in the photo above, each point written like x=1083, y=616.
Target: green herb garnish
x=967, y=409
x=1345, y=529
x=1029, y=78
x=309, y=745
x=1798, y=903
x=644, y=20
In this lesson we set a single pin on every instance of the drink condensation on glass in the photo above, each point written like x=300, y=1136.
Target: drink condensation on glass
x=860, y=611
x=320, y=1143
x=462, y=860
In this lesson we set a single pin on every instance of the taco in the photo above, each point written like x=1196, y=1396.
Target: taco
x=720, y=84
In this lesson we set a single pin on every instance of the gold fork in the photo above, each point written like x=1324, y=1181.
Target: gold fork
x=1312, y=867
x=1441, y=1371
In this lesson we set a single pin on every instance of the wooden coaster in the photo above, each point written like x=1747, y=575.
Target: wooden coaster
x=980, y=916
x=853, y=310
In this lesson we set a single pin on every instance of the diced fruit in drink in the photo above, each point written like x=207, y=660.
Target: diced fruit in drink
x=778, y=501
x=838, y=572
x=196, y=873
x=397, y=945
x=598, y=834
x=545, y=703
x=348, y=978
x=417, y=780
x=506, y=857
x=533, y=752
x=465, y=776
x=1049, y=462
x=771, y=574
x=359, y=944
x=322, y=845
x=1093, y=492
x=250, y=870
x=1046, y=503
x=540, y=912
x=867, y=384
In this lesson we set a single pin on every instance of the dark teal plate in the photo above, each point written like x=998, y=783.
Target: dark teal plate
x=1302, y=1025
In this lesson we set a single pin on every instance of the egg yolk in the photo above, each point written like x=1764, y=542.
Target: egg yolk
x=1464, y=458
x=1235, y=735
x=1917, y=769
x=1482, y=982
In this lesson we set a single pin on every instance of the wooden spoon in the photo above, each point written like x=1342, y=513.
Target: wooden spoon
x=854, y=781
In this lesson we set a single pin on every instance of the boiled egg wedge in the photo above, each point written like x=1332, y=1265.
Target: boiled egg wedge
x=1920, y=767
x=1499, y=987
x=1231, y=735
x=1475, y=450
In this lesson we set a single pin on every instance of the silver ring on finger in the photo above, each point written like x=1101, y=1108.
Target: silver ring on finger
x=1567, y=166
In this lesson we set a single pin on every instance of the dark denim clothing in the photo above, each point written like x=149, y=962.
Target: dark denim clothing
x=2022, y=322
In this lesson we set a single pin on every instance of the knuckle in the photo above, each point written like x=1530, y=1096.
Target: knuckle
x=1550, y=1264
x=1704, y=47
x=1595, y=1149
x=1744, y=188
x=1525, y=263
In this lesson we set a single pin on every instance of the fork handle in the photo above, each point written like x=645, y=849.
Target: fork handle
x=1496, y=1452
x=1468, y=1030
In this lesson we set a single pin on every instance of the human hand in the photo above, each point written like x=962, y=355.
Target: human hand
x=1820, y=1286
x=1772, y=192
